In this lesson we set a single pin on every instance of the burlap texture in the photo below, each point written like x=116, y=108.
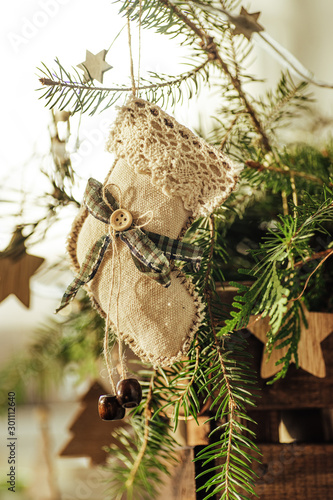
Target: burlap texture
x=158, y=323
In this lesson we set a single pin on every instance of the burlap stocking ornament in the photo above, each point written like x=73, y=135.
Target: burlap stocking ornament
x=164, y=176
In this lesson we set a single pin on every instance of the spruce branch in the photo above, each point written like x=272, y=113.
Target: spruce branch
x=314, y=256
x=284, y=171
x=146, y=451
x=147, y=416
x=90, y=97
x=279, y=285
x=83, y=86
x=185, y=392
x=328, y=253
x=227, y=403
x=208, y=45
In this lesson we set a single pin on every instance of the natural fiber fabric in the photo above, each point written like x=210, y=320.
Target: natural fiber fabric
x=179, y=163
x=150, y=252
x=154, y=173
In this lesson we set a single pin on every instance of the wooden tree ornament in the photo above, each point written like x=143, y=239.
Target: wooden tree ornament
x=90, y=433
x=16, y=269
x=310, y=356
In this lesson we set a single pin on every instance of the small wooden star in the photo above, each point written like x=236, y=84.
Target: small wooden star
x=94, y=66
x=246, y=24
x=16, y=269
x=15, y=275
x=310, y=356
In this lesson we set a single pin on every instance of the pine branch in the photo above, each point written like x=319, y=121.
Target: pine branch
x=285, y=103
x=188, y=387
x=220, y=373
x=284, y=171
x=151, y=86
x=279, y=284
x=231, y=402
x=208, y=45
x=146, y=451
x=90, y=97
x=314, y=256
x=148, y=410
x=328, y=253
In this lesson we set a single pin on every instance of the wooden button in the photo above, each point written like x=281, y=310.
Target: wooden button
x=121, y=219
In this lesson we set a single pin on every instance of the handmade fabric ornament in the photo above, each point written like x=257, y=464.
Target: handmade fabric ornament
x=128, y=231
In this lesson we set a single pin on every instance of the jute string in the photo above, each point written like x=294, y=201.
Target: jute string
x=139, y=58
x=130, y=54
x=116, y=257
x=134, y=87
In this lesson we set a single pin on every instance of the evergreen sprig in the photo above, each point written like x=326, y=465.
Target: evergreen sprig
x=68, y=91
x=279, y=284
x=145, y=453
x=215, y=381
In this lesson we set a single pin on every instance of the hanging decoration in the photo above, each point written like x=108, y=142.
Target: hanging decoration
x=16, y=269
x=128, y=232
x=95, y=66
x=310, y=356
x=246, y=24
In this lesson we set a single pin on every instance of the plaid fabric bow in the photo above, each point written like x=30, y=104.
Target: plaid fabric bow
x=150, y=251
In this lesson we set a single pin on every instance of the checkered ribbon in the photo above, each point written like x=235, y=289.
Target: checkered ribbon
x=150, y=252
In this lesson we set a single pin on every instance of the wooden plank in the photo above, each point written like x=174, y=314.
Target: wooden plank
x=197, y=434
x=295, y=471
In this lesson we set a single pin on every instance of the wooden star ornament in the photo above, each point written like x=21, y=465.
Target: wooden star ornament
x=246, y=24
x=16, y=269
x=94, y=66
x=310, y=356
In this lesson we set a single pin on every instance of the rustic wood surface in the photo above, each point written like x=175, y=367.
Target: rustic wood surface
x=198, y=434
x=295, y=471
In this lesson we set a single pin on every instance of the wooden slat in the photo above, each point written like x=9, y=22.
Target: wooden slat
x=295, y=471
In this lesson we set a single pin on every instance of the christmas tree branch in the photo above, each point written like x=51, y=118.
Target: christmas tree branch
x=314, y=256
x=190, y=384
x=64, y=87
x=81, y=86
x=284, y=171
x=231, y=402
x=328, y=254
x=147, y=416
x=208, y=45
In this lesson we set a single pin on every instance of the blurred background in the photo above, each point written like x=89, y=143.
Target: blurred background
x=38, y=31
